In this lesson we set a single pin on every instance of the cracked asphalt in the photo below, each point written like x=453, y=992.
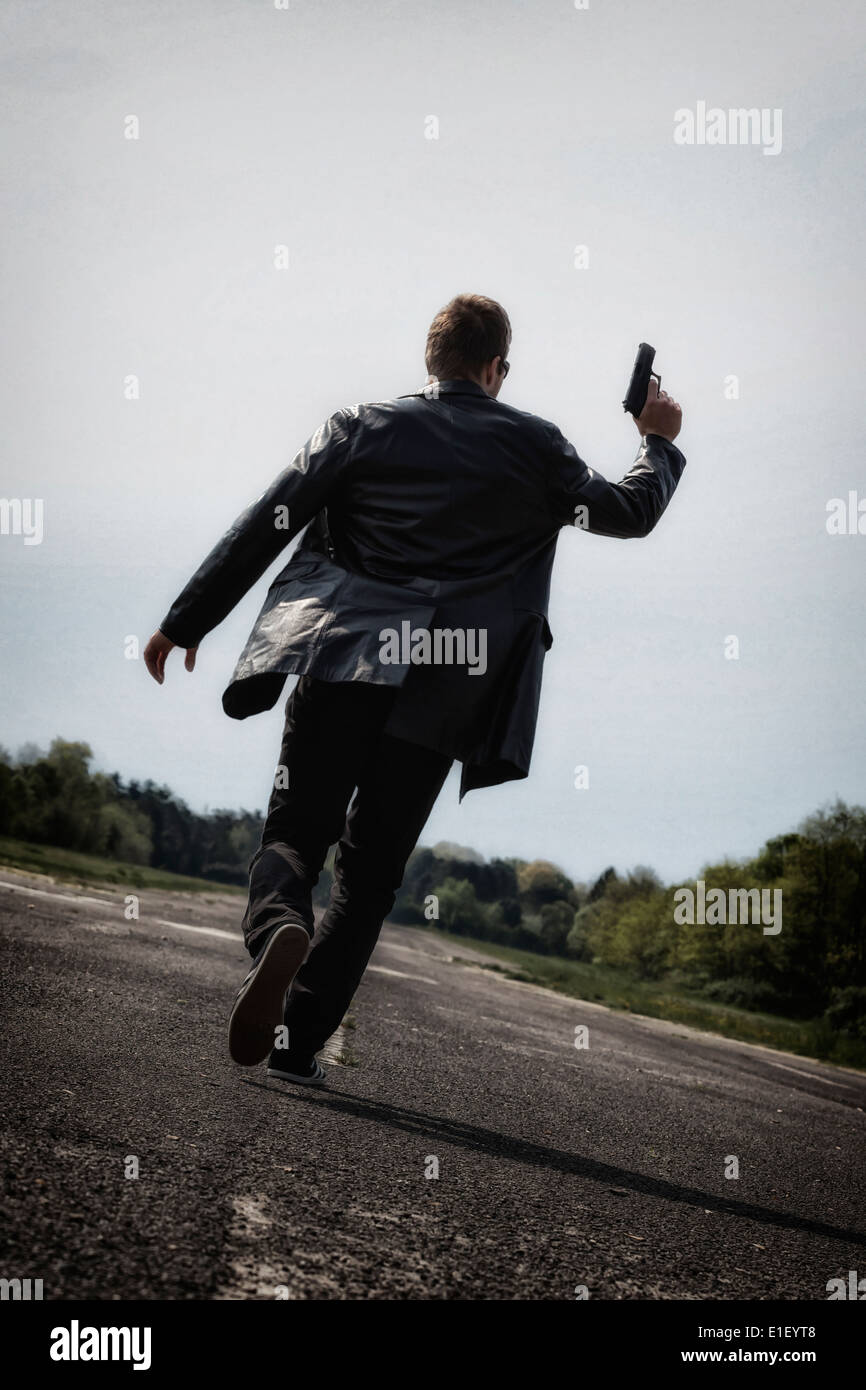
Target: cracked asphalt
x=464, y=1147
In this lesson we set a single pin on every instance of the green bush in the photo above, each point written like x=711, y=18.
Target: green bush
x=846, y=1012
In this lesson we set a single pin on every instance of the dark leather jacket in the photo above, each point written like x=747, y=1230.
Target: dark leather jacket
x=440, y=509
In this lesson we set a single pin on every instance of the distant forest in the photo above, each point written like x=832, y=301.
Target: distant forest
x=814, y=967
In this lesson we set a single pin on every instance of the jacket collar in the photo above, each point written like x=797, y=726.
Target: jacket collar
x=454, y=386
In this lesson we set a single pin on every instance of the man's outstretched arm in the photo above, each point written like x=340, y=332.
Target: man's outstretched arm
x=631, y=507
x=252, y=542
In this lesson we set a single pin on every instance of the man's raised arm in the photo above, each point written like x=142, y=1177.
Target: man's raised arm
x=583, y=498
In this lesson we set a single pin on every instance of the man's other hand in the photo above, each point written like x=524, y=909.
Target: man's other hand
x=157, y=650
x=660, y=415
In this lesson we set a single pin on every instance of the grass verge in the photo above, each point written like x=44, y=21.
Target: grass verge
x=69, y=866
x=656, y=999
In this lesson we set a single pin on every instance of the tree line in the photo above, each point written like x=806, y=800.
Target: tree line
x=814, y=966
x=54, y=798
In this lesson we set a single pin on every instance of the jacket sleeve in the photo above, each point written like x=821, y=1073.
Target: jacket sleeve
x=583, y=498
x=258, y=535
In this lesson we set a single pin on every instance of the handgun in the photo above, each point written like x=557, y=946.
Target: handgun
x=635, y=396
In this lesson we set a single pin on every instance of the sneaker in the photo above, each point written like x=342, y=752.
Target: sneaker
x=303, y=1071
x=258, y=1007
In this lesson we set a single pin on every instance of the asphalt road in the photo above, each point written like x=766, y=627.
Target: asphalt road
x=558, y=1167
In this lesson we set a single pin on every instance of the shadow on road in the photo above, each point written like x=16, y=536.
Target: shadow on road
x=488, y=1141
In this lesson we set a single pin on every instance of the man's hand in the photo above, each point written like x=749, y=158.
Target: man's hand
x=660, y=415
x=157, y=650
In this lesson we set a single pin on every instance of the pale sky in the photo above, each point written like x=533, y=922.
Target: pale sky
x=260, y=127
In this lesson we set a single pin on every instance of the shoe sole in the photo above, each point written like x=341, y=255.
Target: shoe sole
x=258, y=1009
x=317, y=1079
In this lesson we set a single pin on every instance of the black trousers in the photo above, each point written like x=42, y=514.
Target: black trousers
x=334, y=749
